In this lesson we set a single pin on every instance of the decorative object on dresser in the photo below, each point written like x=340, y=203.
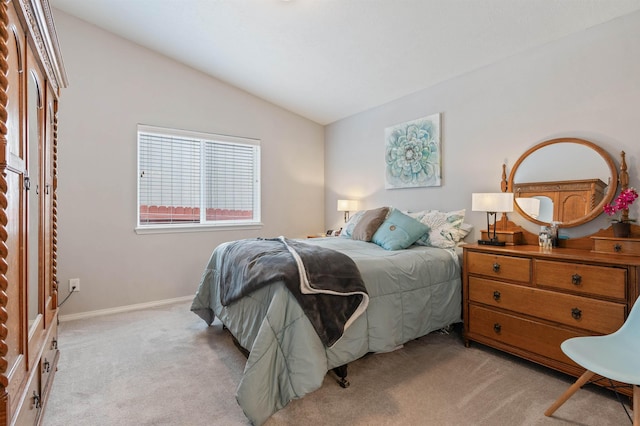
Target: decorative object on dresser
x=614, y=356
x=527, y=300
x=622, y=225
x=30, y=84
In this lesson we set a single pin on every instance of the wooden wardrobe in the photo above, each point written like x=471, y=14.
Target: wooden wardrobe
x=31, y=78
x=572, y=199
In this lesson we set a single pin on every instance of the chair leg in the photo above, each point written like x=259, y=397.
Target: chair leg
x=636, y=405
x=569, y=392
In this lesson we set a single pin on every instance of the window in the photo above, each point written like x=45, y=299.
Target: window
x=189, y=179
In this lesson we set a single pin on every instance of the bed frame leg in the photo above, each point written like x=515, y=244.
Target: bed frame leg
x=341, y=372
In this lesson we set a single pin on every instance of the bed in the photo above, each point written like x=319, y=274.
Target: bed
x=412, y=292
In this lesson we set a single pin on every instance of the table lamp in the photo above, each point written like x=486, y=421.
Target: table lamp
x=492, y=203
x=347, y=206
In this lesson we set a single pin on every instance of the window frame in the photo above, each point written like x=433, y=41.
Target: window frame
x=202, y=138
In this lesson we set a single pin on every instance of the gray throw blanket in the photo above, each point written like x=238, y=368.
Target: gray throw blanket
x=326, y=283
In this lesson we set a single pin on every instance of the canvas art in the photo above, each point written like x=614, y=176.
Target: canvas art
x=412, y=153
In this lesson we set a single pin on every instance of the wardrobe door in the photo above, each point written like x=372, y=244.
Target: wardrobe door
x=13, y=368
x=50, y=287
x=32, y=74
x=35, y=206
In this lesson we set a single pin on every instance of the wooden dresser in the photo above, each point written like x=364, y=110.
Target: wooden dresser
x=30, y=85
x=526, y=301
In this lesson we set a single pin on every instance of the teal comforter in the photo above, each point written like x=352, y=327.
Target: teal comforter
x=412, y=292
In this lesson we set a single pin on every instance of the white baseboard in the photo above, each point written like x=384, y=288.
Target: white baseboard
x=137, y=306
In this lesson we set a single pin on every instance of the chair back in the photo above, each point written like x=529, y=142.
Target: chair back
x=632, y=323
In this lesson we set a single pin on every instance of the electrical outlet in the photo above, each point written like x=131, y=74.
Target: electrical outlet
x=74, y=284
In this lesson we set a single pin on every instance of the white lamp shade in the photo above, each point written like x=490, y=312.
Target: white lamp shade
x=492, y=202
x=531, y=206
x=347, y=205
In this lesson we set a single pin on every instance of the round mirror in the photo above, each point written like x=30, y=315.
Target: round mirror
x=565, y=180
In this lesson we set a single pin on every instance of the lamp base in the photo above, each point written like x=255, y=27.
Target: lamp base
x=491, y=243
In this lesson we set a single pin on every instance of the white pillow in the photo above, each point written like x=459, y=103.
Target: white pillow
x=445, y=228
x=347, y=230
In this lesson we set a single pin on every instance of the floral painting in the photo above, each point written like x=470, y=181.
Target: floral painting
x=412, y=153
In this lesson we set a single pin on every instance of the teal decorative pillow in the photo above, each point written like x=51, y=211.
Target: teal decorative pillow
x=398, y=231
x=445, y=228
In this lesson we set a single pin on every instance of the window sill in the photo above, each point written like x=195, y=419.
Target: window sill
x=141, y=230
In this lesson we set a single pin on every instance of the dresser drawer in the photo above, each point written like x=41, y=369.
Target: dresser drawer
x=498, y=266
x=629, y=246
x=521, y=333
x=595, y=316
x=587, y=279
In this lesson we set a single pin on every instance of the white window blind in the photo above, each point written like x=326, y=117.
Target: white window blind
x=190, y=179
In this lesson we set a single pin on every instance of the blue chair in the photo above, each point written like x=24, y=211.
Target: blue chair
x=615, y=356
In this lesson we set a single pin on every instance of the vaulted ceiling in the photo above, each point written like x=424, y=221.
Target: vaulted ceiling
x=329, y=59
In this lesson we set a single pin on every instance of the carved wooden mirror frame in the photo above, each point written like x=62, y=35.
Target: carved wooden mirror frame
x=619, y=179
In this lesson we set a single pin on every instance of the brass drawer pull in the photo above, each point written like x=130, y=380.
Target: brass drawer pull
x=497, y=328
x=576, y=313
x=576, y=279
x=496, y=295
x=617, y=248
x=496, y=267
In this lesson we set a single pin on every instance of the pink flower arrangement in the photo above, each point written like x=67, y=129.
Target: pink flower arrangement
x=622, y=202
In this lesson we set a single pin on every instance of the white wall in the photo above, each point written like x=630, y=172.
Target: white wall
x=586, y=85
x=113, y=86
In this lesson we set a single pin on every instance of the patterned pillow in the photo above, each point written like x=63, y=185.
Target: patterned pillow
x=398, y=231
x=445, y=228
x=460, y=234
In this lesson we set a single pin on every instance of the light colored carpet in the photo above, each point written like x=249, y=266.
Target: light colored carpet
x=164, y=366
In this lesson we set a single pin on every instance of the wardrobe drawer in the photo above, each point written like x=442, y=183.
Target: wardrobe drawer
x=520, y=333
x=597, y=316
x=592, y=280
x=498, y=266
x=29, y=408
x=49, y=360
